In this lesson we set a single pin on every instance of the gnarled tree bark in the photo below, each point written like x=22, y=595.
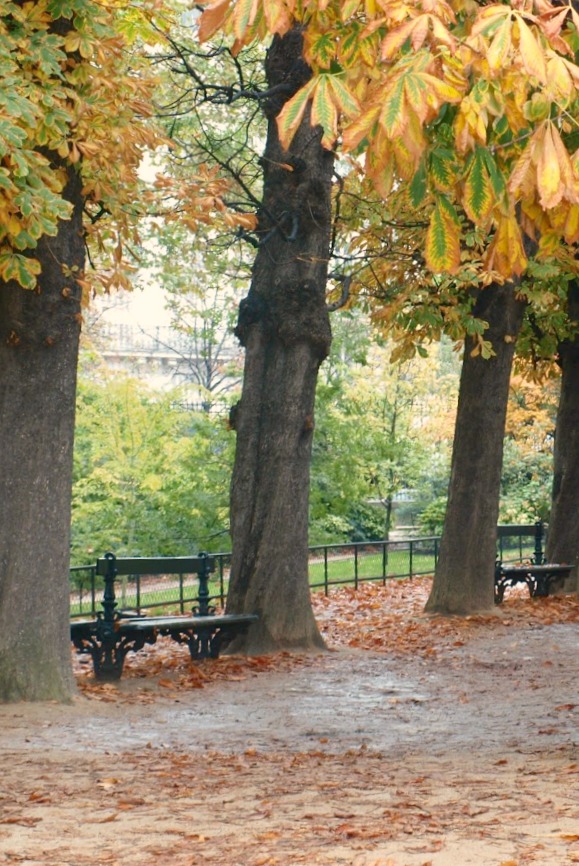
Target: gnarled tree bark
x=284, y=326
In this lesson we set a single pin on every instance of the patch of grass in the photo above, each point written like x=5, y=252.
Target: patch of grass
x=151, y=602
x=370, y=567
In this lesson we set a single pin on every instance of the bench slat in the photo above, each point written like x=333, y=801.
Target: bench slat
x=126, y=565
x=185, y=622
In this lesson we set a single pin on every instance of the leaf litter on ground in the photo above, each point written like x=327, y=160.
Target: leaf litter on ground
x=272, y=806
x=386, y=618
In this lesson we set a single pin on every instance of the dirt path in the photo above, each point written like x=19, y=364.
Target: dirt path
x=456, y=744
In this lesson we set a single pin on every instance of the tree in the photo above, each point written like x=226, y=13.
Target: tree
x=57, y=178
x=464, y=578
x=563, y=538
x=283, y=325
x=39, y=332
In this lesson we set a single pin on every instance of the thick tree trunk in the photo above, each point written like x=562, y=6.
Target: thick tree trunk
x=39, y=332
x=563, y=537
x=464, y=578
x=284, y=326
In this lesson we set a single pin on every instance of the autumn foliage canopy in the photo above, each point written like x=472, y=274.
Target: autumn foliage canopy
x=470, y=108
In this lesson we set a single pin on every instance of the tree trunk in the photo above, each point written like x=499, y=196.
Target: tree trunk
x=563, y=537
x=464, y=578
x=39, y=333
x=284, y=326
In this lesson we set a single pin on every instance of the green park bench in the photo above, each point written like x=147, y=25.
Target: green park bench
x=537, y=574
x=112, y=634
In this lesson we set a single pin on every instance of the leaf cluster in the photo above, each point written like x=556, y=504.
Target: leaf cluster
x=473, y=107
x=75, y=94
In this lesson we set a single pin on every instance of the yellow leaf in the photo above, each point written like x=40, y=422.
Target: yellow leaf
x=506, y=253
x=571, y=233
x=531, y=53
x=442, y=34
x=345, y=101
x=478, y=200
x=488, y=16
x=394, y=114
x=439, y=91
x=548, y=171
x=277, y=16
x=500, y=46
x=244, y=15
x=559, y=81
x=324, y=112
x=360, y=128
x=380, y=169
x=569, y=175
x=522, y=179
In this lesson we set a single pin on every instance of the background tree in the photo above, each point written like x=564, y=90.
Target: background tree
x=151, y=478
x=382, y=428
x=528, y=459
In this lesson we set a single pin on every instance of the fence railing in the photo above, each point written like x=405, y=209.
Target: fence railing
x=329, y=565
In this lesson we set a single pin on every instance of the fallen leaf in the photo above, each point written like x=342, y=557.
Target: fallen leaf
x=21, y=820
x=107, y=784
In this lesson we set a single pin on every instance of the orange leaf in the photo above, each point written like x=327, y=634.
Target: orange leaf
x=212, y=19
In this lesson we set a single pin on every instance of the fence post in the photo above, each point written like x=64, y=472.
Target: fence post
x=139, y=593
x=355, y=566
x=326, y=582
x=384, y=562
x=93, y=590
x=221, y=583
x=410, y=557
x=538, y=553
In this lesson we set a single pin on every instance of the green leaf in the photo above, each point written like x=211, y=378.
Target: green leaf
x=11, y=136
x=478, y=198
x=443, y=168
x=323, y=49
x=19, y=268
x=418, y=186
x=496, y=177
x=393, y=115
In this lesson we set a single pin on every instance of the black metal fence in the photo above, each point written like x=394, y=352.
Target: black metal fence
x=329, y=565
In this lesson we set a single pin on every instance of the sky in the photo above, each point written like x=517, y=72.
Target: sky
x=144, y=308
